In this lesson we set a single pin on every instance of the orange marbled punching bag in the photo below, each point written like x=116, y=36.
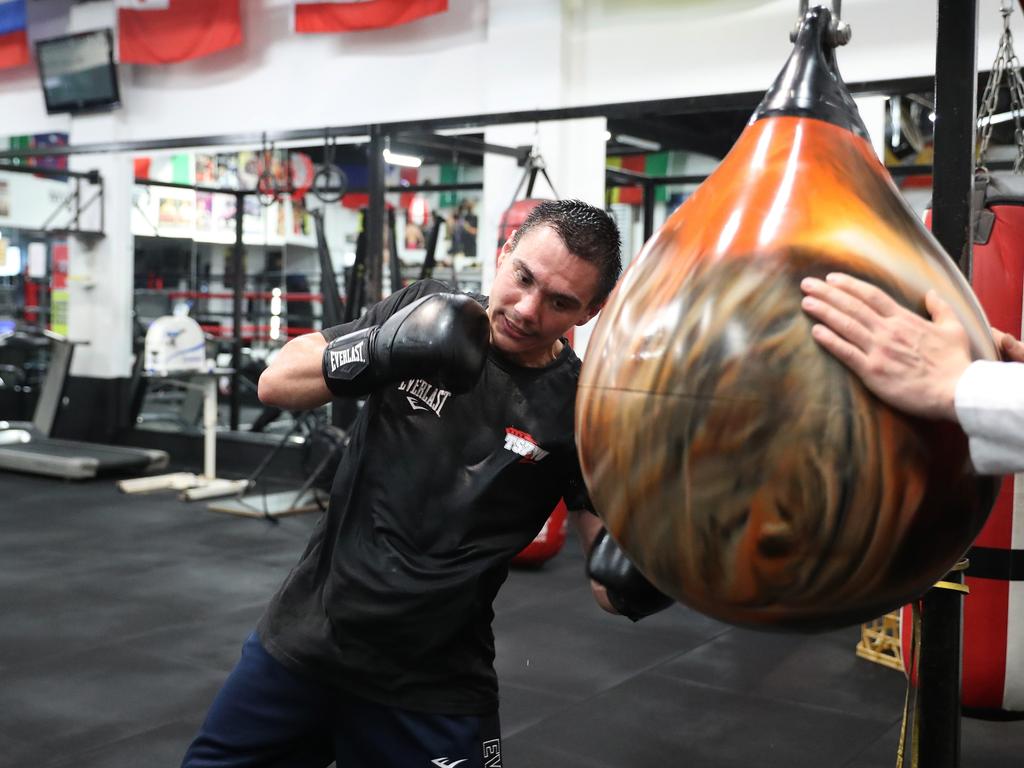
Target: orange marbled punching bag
x=744, y=470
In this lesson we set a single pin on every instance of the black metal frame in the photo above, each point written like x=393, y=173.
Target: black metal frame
x=420, y=132
x=72, y=201
x=688, y=104
x=956, y=85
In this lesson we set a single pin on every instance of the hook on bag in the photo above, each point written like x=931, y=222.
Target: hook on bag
x=839, y=31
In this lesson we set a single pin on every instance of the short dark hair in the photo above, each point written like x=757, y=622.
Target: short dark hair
x=587, y=231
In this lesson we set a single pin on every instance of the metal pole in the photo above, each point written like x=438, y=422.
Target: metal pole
x=648, y=188
x=939, y=670
x=955, y=126
x=238, y=280
x=375, y=216
x=956, y=84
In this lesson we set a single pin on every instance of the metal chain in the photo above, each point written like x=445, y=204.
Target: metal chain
x=1007, y=66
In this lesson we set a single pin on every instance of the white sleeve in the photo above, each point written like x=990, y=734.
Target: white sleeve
x=989, y=405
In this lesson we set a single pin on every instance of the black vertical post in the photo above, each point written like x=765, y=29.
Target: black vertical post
x=430, y=259
x=648, y=187
x=956, y=84
x=394, y=263
x=375, y=214
x=103, y=218
x=939, y=667
x=237, y=298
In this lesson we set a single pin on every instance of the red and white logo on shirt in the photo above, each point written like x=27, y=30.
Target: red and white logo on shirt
x=522, y=444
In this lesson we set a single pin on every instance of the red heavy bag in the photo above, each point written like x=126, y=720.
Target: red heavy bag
x=514, y=217
x=548, y=542
x=993, y=614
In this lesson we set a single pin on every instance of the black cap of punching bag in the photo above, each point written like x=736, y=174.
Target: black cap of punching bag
x=809, y=84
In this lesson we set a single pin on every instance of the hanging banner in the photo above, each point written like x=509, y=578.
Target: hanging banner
x=356, y=15
x=167, y=31
x=13, y=34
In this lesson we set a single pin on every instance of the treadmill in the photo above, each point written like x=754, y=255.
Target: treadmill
x=28, y=447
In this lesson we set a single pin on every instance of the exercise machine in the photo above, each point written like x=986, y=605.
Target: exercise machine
x=28, y=447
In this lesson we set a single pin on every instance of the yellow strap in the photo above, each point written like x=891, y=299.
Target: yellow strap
x=910, y=718
x=953, y=586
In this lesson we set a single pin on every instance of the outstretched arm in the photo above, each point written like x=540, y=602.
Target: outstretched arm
x=912, y=363
x=923, y=367
x=294, y=381
x=440, y=336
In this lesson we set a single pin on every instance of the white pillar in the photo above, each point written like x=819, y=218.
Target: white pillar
x=101, y=272
x=536, y=34
x=574, y=152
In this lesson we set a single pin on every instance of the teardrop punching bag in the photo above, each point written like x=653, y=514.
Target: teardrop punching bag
x=744, y=470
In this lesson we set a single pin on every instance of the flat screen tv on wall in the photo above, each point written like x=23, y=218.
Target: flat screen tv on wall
x=78, y=72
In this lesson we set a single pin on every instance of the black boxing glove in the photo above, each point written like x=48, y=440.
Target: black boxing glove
x=442, y=337
x=629, y=592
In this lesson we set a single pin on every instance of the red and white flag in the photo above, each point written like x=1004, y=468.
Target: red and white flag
x=355, y=15
x=166, y=31
x=13, y=36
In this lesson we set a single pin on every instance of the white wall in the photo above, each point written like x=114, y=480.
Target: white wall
x=652, y=49
x=603, y=51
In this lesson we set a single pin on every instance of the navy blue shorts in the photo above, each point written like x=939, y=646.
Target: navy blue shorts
x=266, y=716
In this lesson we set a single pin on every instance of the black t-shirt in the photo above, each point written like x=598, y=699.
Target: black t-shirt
x=434, y=495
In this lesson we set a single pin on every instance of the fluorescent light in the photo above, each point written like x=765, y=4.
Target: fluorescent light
x=408, y=161
x=634, y=141
x=1002, y=117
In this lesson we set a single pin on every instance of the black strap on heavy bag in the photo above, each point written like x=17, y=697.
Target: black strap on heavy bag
x=394, y=263
x=430, y=257
x=532, y=165
x=998, y=211
x=332, y=303
x=355, y=289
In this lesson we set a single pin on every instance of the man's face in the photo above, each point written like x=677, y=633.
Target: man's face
x=540, y=291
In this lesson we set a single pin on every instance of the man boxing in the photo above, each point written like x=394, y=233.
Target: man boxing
x=378, y=650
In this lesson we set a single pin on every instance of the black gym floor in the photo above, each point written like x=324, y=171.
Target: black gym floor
x=120, y=617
